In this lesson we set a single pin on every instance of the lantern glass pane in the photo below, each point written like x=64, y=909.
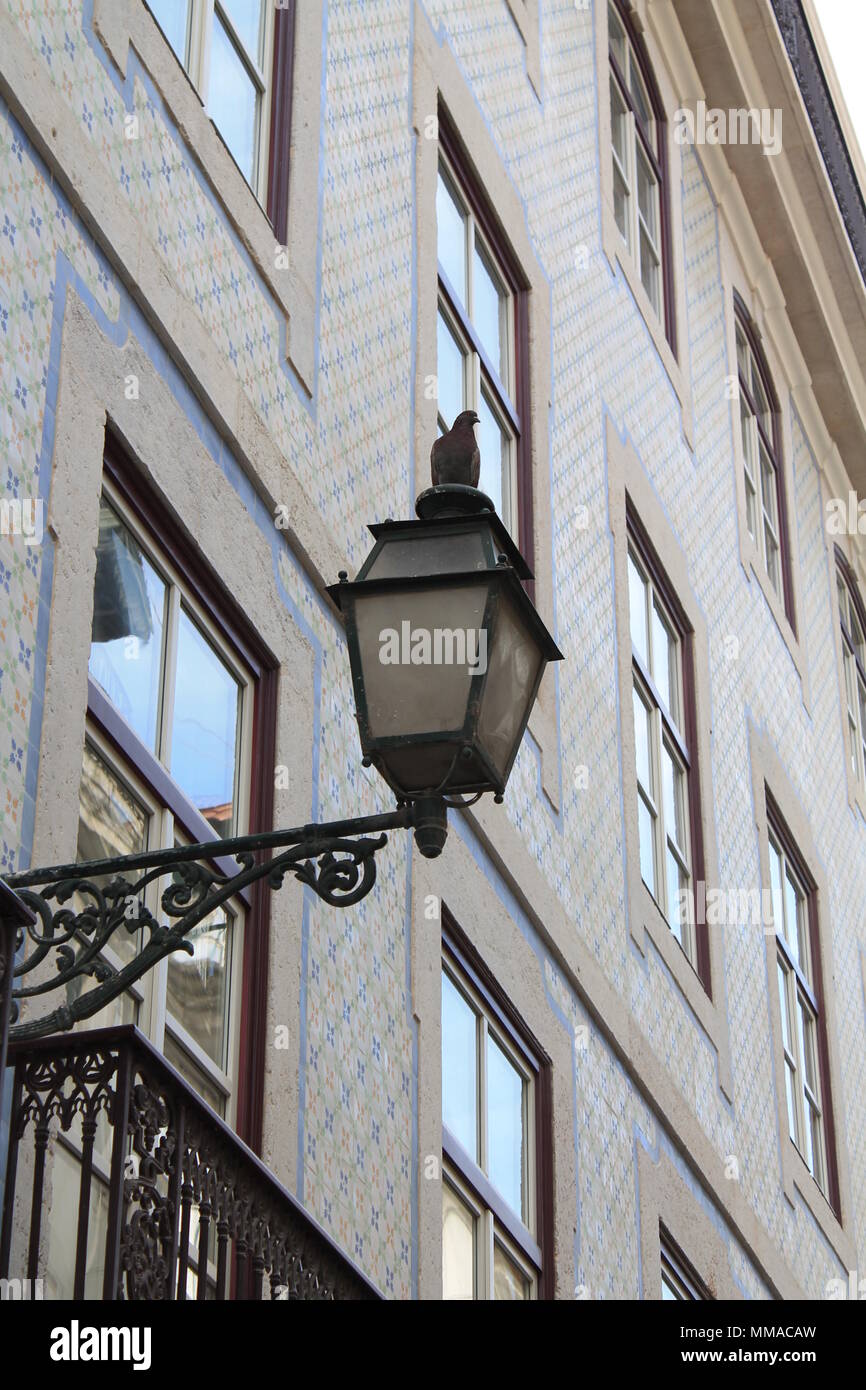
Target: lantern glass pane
x=419, y=651
x=514, y=662
x=409, y=557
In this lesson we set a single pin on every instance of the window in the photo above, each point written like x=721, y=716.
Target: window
x=762, y=467
x=639, y=163
x=852, y=619
x=679, y=1281
x=803, y=1045
x=482, y=337
x=662, y=701
x=177, y=684
x=492, y=1090
x=238, y=54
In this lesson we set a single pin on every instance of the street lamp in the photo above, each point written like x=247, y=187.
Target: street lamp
x=447, y=654
x=447, y=651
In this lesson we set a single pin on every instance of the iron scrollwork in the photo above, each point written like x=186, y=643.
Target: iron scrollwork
x=82, y=908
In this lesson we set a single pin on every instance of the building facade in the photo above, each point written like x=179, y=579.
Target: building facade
x=252, y=257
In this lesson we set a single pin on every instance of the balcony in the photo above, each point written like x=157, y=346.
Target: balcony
x=121, y=1183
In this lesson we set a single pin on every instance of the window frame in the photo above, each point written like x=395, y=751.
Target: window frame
x=778, y=834
x=657, y=158
x=848, y=579
x=685, y=742
x=273, y=80
x=676, y=1268
x=529, y=1247
x=164, y=538
x=515, y=412
x=772, y=445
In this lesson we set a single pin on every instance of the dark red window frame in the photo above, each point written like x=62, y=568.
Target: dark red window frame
x=518, y=412
x=773, y=446
x=279, y=149
x=656, y=154
x=457, y=947
x=777, y=826
x=687, y=746
x=231, y=622
x=849, y=579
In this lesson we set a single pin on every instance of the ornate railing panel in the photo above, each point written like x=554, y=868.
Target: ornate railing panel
x=191, y=1211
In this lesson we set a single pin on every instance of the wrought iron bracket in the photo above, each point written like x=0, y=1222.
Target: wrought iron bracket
x=79, y=908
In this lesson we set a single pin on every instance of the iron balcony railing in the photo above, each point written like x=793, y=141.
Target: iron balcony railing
x=170, y=1203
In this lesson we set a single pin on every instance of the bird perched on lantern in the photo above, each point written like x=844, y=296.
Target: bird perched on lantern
x=455, y=457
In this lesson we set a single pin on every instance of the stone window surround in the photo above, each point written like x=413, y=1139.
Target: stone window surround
x=508, y=955
x=666, y=1201
x=626, y=479
x=176, y=466
x=120, y=23
x=438, y=78
x=675, y=365
x=769, y=775
x=733, y=279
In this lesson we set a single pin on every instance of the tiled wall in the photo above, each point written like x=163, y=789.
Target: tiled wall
x=351, y=446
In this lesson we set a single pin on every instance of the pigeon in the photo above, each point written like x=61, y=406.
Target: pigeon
x=455, y=457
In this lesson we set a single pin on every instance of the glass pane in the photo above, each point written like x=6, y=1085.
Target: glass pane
x=451, y=373
x=637, y=609
x=747, y=436
x=768, y=486
x=233, y=101
x=620, y=206
x=197, y=986
x=647, y=194
x=128, y=618
x=759, y=396
x=493, y=443
x=619, y=125
x=180, y=1059
x=642, y=737
x=172, y=16
x=459, y=1067
x=787, y=1040
x=488, y=310
x=458, y=1246
x=451, y=236
x=673, y=788
x=509, y=1281
x=742, y=353
x=807, y=1036
x=205, y=731
x=616, y=37
x=664, y=670
x=639, y=95
x=677, y=884
x=505, y=1126
x=790, y=1083
x=111, y=822
x=646, y=831
x=791, y=910
x=649, y=269
x=246, y=16
x=771, y=548
x=776, y=889
x=816, y=1132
